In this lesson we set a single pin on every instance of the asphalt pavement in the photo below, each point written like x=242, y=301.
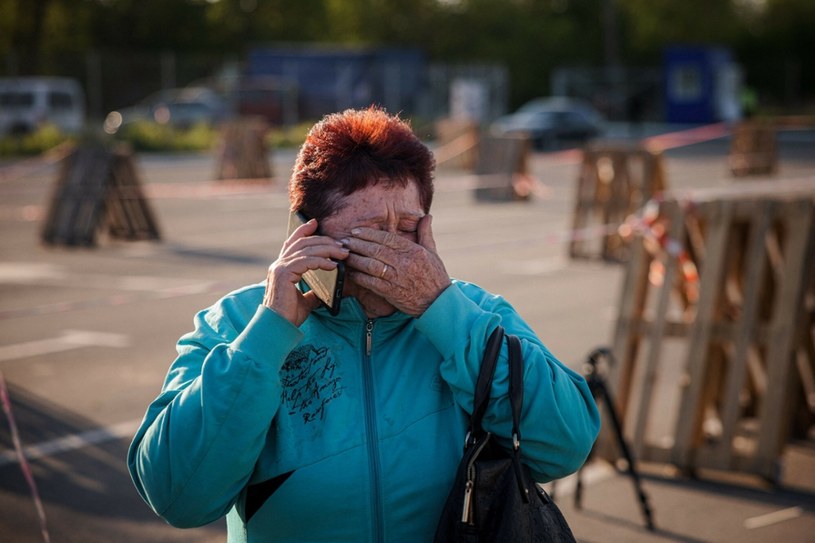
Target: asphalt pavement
x=86, y=335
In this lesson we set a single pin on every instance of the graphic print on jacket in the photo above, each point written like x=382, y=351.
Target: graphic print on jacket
x=310, y=382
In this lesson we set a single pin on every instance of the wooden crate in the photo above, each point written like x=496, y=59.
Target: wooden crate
x=714, y=334
x=614, y=182
x=243, y=155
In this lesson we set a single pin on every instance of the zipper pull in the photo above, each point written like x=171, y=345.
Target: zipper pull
x=467, y=513
x=369, y=332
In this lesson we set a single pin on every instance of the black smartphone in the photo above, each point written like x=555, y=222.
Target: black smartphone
x=326, y=284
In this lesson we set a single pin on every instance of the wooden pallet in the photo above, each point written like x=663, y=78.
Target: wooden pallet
x=614, y=182
x=243, y=154
x=98, y=189
x=714, y=334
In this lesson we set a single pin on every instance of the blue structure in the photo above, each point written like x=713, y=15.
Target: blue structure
x=701, y=84
x=333, y=79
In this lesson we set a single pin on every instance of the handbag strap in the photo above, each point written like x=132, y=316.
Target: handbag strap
x=516, y=400
x=484, y=383
x=485, y=376
x=516, y=395
x=516, y=387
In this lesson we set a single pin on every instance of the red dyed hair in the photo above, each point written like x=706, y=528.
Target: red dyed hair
x=349, y=151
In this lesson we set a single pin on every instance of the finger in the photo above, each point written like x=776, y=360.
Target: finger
x=370, y=249
x=306, y=234
x=370, y=266
x=311, y=246
x=311, y=299
x=381, y=237
x=302, y=264
x=303, y=231
x=370, y=282
x=425, y=233
x=292, y=270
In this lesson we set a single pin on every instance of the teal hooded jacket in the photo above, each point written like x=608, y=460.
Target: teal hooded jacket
x=346, y=428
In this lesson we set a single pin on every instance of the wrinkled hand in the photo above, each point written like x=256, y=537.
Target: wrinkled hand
x=303, y=251
x=410, y=276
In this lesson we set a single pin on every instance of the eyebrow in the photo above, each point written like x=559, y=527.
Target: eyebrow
x=402, y=215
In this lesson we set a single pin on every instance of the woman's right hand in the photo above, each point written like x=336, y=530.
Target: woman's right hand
x=303, y=251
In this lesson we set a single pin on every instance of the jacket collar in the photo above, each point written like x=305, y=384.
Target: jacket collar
x=352, y=315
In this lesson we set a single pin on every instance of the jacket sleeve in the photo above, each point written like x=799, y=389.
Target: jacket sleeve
x=200, y=439
x=560, y=420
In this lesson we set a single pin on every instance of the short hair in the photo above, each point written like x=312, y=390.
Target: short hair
x=349, y=151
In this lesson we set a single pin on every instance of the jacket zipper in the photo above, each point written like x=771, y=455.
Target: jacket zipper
x=373, y=438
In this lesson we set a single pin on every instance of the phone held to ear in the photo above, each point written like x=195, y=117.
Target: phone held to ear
x=326, y=284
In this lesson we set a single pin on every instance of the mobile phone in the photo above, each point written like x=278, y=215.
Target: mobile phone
x=326, y=284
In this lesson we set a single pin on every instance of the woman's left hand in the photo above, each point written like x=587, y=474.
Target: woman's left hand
x=410, y=275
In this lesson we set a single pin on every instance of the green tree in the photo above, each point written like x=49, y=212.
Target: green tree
x=650, y=26
x=773, y=39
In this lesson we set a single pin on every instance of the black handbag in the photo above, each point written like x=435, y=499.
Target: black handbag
x=494, y=497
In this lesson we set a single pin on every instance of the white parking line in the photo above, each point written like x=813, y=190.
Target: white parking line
x=73, y=442
x=70, y=339
x=592, y=473
x=36, y=273
x=773, y=518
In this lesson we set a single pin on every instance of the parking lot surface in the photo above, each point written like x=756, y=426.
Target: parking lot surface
x=86, y=335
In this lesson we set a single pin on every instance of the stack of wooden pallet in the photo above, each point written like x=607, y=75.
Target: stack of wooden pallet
x=98, y=189
x=715, y=335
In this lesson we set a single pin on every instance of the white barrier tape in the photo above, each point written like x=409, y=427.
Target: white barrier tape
x=21, y=458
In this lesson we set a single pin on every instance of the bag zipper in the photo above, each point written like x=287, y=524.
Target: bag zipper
x=467, y=516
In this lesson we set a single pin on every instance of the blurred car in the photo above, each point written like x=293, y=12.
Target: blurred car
x=29, y=102
x=181, y=108
x=553, y=122
x=273, y=99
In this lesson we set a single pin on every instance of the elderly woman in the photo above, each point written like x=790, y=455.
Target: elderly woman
x=299, y=425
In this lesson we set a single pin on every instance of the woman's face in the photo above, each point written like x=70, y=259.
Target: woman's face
x=382, y=206
x=388, y=207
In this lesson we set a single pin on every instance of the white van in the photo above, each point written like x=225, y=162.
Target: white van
x=28, y=102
